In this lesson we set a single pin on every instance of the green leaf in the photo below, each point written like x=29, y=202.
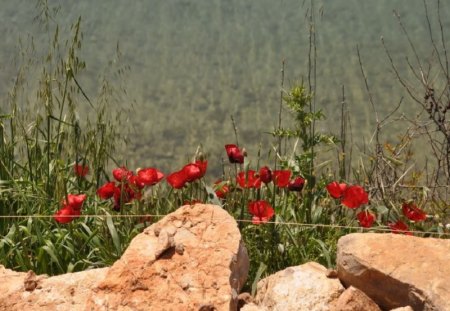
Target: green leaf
x=261, y=269
x=113, y=232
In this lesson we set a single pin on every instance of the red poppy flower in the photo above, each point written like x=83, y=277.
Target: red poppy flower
x=336, y=189
x=399, y=227
x=354, y=197
x=234, y=154
x=261, y=211
x=203, y=165
x=177, y=179
x=366, y=219
x=281, y=178
x=121, y=173
x=221, y=189
x=81, y=170
x=74, y=201
x=296, y=184
x=252, y=179
x=150, y=176
x=107, y=190
x=413, y=213
x=66, y=214
x=192, y=172
x=265, y=174
x=136, y=182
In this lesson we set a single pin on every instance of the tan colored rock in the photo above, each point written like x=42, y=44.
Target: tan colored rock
x=397, y=270
x=253, y=307
x=407, y=308
x=26, y=291
x=243, y=299
x=192, y=259
x=305, y=287
x=352, y=299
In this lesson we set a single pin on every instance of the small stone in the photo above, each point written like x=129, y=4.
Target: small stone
x=179, y=249
x=331, y=274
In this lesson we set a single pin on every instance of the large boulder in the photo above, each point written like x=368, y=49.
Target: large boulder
x=397, y=270
x=192, y=259
x=300, y=288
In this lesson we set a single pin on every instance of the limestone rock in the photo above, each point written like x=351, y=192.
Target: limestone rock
x=26, y=291
x=352, y=299
x=397, y=270
x=253, y=307
x=305, y=287
x=192, y=259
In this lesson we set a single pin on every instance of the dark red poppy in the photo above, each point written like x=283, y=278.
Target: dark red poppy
x=125, y=194
x=366, y=219
x=81, y=170
x=413, y=213
x=107, y=190
x=121, y=173
x=297, y=184
x=234, y=154
x=399, y=227
x=177, y=179
x=336, y=190
x=221, y=189
x=281, y=178
x=74, y=201
x=261, y=211
x=354, y=197
x=66, y=215
x=249, y=180
x=150, y=176
x=265, y=174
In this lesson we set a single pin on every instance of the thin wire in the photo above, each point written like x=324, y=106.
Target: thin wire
x=299, y=224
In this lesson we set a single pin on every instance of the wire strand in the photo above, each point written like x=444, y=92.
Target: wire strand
x=308, y=225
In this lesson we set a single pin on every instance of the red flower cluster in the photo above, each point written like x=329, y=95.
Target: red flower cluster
x=249, y=180
x=261, y=211
x=353, y=197
x=189, y=173
x=281, y=178
x=128, y=186
x=71, y=208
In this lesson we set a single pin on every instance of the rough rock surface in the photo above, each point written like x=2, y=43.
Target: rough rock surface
x=26, y=291
x=305, y=287
x=407, y=308
x=192, y=259
x=352, y=299
x=397, y=270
